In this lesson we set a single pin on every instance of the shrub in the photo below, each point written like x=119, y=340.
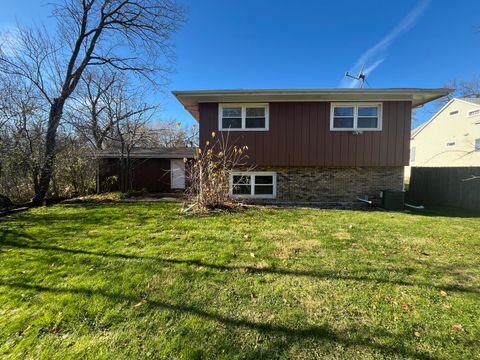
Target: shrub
x=208, y=174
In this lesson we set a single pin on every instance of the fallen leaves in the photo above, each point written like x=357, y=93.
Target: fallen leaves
x=362, y=247
x=407, y=307
x=443, y=293
x=417, y=334
x=140, y=303
x=56, y=328
x=459, y=327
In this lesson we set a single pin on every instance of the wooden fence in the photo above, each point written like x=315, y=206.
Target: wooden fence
x=447, y=186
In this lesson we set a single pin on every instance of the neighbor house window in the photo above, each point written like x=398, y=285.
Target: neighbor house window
x=477, y=144
x=412, y=154
x=253, y=184
x=454, y=112
x=361, y=117
x=450, y=144
x=243, y=117
x=474, y=112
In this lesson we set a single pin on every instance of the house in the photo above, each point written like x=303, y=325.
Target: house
x=312, y=145
x=450, y=138
x=154, y=170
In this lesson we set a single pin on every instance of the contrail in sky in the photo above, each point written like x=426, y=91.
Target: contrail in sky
x=368, y=56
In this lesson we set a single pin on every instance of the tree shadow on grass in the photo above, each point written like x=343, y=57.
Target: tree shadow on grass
x=6, y=235
x=364, y=337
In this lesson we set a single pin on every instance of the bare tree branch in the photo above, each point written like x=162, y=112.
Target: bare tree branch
x=90, y=33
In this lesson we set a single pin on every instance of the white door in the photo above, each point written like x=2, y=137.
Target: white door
x=177, y=174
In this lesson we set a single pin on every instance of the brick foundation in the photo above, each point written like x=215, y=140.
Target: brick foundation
x=334, y=184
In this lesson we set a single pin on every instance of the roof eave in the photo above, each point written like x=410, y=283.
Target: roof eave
x=145, y=156
x=418, y=97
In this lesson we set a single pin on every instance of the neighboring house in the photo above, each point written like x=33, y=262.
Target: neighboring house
x=450, y=138
x=154, y=170
x=312, y=145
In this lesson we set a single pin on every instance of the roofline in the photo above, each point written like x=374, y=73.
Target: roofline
x=146, y=156
x=306, y=91
x=426, y=123
x=421, y=127
x=191, y=98
x=467, y=101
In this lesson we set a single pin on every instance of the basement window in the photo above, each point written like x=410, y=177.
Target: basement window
x=243, y=117
x=363, y=117
x=258, y=185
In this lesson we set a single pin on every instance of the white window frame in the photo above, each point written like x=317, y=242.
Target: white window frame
x=252, y=175
x=355, y=116
x=475, y=145
x=473, y=110
x=244, y=107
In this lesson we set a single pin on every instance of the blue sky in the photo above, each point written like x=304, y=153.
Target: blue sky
x=303, y=44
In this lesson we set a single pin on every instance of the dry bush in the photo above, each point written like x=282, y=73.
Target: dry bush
x=208, y=174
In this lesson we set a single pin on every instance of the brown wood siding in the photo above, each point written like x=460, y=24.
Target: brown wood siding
x=299, y=135
x=150, y=174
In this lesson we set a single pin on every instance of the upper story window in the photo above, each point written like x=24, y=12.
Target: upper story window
x=454, y=112
x=477, y=144
x=243, y=117
x=450, y=144
x=475, y=112
x=412, y=154
x=365, y=116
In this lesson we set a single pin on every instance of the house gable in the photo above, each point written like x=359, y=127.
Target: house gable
x=450, y=137
x=447, y=107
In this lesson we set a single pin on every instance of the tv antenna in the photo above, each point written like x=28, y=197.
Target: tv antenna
x=360, y=77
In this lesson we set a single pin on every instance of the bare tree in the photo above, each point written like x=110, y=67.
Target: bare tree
x=171, y=133
x=87, y=112
x=123, y=35
x=462, y=88
x=131, y=118
x=21, y=138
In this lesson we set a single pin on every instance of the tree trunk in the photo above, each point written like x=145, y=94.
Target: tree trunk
x=54, y=117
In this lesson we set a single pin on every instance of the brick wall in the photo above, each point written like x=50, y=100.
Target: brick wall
x=334, y=184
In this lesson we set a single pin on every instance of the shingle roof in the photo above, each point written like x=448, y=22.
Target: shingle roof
x=166, y=153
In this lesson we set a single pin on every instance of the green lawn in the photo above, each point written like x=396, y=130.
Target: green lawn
x=140, y=280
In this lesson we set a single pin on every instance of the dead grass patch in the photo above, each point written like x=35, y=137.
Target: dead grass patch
x=343, y=235
x=289, y=248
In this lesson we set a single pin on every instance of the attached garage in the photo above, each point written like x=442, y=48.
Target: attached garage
x=152, y=170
